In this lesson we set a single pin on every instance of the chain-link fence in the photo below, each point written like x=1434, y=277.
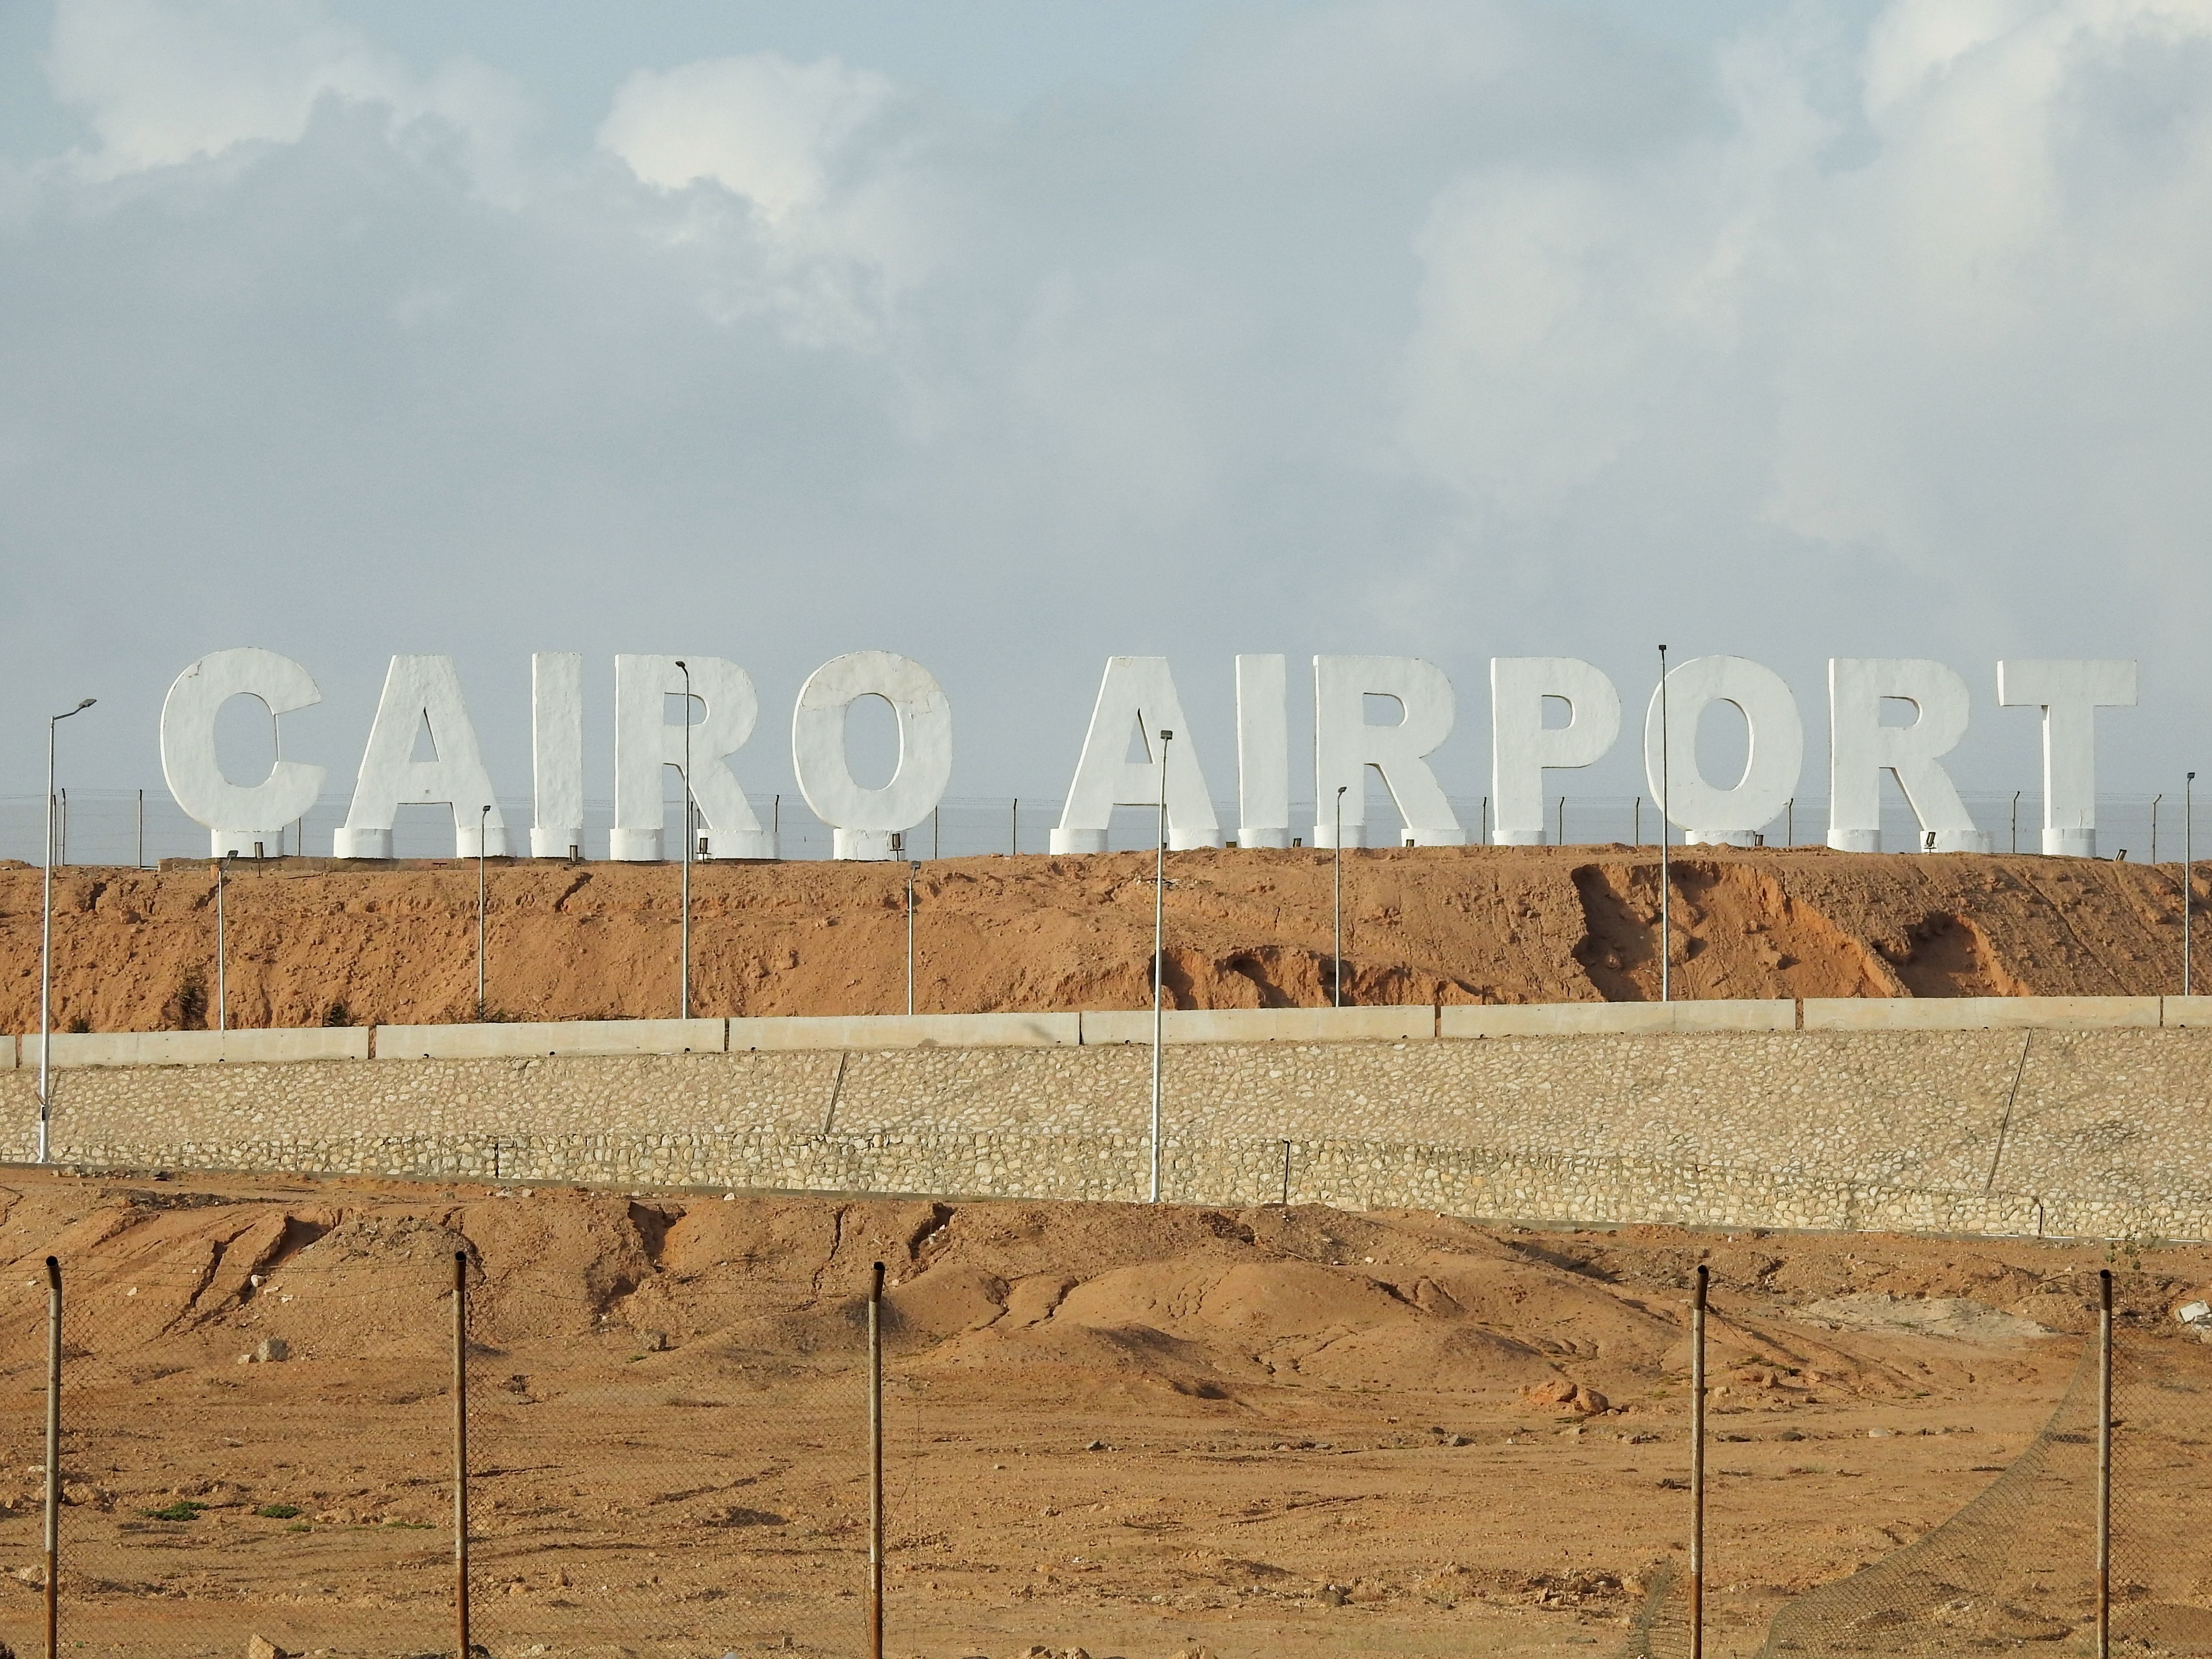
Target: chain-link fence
x=266, y=1436
x=126, y=827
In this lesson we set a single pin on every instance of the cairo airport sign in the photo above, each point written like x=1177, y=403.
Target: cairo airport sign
x=1139, y=694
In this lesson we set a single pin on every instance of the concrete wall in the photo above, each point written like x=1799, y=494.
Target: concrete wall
x=2096, y=1130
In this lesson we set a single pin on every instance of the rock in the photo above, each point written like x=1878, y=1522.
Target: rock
x=271, y=1351
x=260, y=1647
x=1193, y=1651
x=1333, y=1595
x=654, y=1341
x=1561, y=1394
x=82, y=1493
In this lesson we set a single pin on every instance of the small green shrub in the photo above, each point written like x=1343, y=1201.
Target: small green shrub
x=183, y=1510
x=277, y=1511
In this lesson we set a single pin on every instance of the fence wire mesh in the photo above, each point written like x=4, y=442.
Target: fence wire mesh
x=259, y=1438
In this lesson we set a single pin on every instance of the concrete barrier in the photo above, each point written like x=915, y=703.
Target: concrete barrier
x=524, y=1039
x=1615, y=1018
x=1979, y=1013
x=73, y=1049
x=1413, y=1022
x=2185, y=1011
x=870, y=1031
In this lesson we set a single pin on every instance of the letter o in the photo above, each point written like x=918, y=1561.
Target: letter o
x=863, y=821
x=1724, y=816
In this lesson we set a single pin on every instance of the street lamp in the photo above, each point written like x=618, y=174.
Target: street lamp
x=2188, y=890
x=222, y=1000
x=1159, y=951
x=483, y=825
x=1665, y=835
x=1336, y=839
x=686, y=999
x=46, y=942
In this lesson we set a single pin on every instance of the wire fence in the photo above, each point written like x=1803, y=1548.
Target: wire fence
x=125, y=827
x=341, y=1439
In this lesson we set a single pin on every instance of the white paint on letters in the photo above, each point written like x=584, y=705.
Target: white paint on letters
x=1731, y=817
x=1522, y=747
x=1263, y=753
x=1345, y=745
x=195, y=776
x=863, y=821
x=1137, y=693
x=556, y=752
x=416, y=691
x=1861, y=749
x=646, y=740
x=2069, y=694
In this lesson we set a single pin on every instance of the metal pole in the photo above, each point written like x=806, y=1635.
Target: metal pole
x=2015, y=820
x=46, y=944
x=685, y=1000
x=1287, y=1175
x=1639, y=832
x=141, y=830
x=1336, y=971
x=53, y=1457
x=2154, y=800
x=1159, y=951
x=1014, y=829
x=933, y=832
x=64, y=814
x=461, y=1451
x=1789, y=822
x=2188, y=890
x=222, y=993
x=1698, y=1467
x=1560, y=839
x=1665, y=835
x=909, y=938
x=876, y=1464
x=2105, y=1463
x=483, y=819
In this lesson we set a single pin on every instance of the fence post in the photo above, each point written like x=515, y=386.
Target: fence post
x=461, y=1451
x=2105, y=1463
x=876, y=1463
x=53, y=1457
x=1698, y=1467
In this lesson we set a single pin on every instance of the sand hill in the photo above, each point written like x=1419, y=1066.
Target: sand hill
x=136, y=949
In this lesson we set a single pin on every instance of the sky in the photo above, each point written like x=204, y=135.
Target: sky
x=1012, y=334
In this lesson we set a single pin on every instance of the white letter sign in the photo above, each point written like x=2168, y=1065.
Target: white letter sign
x=2070, y=695
x=863, y=821
x=195, y=777
x=1733, y=816
x=1522, y=746
x=1861, y=748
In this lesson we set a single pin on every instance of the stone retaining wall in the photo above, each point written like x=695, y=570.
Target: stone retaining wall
x=2095, y=1131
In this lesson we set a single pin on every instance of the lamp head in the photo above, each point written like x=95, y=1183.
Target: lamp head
x=86, y=704
x=1166, y=735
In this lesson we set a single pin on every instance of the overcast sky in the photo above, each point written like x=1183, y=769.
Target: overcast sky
x=1010, y=335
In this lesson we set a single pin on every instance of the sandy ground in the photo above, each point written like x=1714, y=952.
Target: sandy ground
x=309, y=941
x=1138, y=1431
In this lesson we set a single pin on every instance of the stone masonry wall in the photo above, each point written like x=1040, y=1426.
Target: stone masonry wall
x=2097, y=1133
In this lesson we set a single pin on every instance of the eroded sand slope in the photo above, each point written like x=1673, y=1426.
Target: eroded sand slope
x=136, y=951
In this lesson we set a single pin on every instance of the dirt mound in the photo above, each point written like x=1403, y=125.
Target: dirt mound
x=311, y=942
x=1301, y=1431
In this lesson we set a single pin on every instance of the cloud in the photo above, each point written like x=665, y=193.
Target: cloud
x=1454, y=328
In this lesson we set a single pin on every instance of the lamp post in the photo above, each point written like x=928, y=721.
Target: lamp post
x=1665, y=835
x=484, y=822
x=46, y=942
x=1159, y=951
x=2188, y=890
x=1336, y=971
x=909, y=938
x=2015, y=820
x=686, y=946
x=221, y=997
